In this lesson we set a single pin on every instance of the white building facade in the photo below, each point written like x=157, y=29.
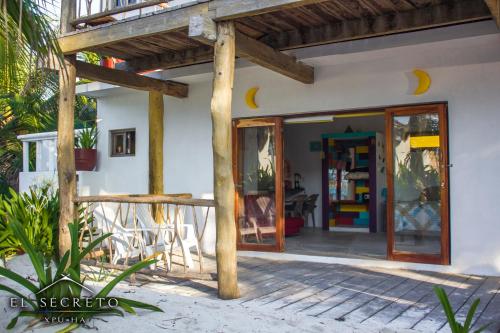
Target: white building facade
x=464, y=65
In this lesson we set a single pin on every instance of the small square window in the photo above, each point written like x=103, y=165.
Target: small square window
x=123, y=142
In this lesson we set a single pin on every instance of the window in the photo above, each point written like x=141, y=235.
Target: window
x=123, y=142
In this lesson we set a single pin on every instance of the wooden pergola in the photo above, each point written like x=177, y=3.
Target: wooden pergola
x=220, y=30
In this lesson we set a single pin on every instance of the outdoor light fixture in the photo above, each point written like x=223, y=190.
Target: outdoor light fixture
x=309, y=120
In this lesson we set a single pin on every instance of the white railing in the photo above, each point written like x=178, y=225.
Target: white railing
x=95, y=12
x=46, y=151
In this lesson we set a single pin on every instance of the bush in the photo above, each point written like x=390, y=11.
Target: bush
x=38, y=213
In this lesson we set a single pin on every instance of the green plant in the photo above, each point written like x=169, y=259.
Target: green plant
x=455, y=326
x=262, y=180
x=86, y=138
x=38, y=213
x=67, y=267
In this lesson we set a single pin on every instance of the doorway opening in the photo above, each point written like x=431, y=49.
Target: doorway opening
x=366, y=185
x=335, y=181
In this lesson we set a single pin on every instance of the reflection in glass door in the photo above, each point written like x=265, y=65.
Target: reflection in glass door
x=418, y=218
x=258, y=183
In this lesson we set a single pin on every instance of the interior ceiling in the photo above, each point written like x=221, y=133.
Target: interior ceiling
x=264, y=25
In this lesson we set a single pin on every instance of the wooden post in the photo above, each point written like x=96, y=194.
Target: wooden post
x=156, y=149
x=224, y=53
x=66, y=135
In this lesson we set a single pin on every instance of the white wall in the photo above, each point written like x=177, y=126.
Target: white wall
x=465, y=72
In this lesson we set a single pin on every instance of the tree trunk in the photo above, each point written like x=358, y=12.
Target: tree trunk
x=156, y=150
x=224, y=53
x=65, y=152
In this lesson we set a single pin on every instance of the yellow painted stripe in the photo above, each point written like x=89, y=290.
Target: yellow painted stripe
x=424, y=141
x=362, y=189
x=361, y=149
x=353, y=208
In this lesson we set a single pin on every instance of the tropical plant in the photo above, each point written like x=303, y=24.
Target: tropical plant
x=263, y=179
x=67, y=267
x=27, y=40
x=38, y=213
x=28, y=93
x=86, y=138
x=455, y=326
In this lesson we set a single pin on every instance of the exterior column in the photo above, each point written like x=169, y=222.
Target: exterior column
x=65, y=152
x=26, y=156
x=66, y=135
x=155, y=115
x=224, y=58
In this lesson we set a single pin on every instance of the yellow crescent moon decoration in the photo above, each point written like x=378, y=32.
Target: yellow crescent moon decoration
x=424, y=81
x=250, y=98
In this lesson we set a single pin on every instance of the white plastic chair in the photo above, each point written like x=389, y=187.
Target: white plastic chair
x=172, y=234
x=125, y=242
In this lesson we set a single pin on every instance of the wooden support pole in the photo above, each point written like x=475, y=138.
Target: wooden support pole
x=494, y=7
x=65, y=152
x=156, y=149
x=224, y=53
x=66, y=171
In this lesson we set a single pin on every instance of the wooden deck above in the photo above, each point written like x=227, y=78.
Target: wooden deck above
x=160, y=40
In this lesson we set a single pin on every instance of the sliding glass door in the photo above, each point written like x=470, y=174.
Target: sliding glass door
x=258, y=173
x=417, y=171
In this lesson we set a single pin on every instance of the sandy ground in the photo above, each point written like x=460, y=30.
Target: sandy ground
x=181, y=313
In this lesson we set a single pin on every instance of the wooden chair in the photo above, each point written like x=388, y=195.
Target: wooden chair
x=309, y=206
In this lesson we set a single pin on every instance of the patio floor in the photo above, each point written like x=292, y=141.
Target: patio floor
x=398, y=299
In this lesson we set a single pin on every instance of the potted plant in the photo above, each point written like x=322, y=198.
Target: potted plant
x=85, y=149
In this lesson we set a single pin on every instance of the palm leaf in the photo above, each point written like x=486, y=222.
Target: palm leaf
x=470, y=315
x=35, y=257
x=137, y=304
x=18, y=294
x=136, y=267
x=92, y=245
x=450, y=315
x=19, y=279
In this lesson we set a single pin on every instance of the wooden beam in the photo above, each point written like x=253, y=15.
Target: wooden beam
x=423, y=18
x=230, y=9
x=130, y=80
x=224, y=58
x=203, y=29
x=494, y=6
x=168, y=60
x=117, y=10
x=170, y=20
x=155, y=117
x=265, y=56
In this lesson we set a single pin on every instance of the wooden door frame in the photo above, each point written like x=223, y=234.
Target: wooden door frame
x=444, y=257
x=277, y=122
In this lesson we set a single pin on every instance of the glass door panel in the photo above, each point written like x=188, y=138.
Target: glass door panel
x=418, y=226
x=258, y=184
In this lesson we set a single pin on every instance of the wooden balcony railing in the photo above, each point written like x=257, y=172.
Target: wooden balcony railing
x=146, y=227
x=96, y=12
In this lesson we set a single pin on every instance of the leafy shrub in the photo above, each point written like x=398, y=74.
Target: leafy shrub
x=455, y=326
x=38, y=213
x=86, y=138
x=67, y=267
